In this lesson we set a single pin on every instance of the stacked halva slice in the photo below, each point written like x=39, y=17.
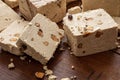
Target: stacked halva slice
x=10, y=36
x=53, y=9
x=90, y=32
x=40, y=39
x=9, y=28
x=111, y=6
x=7, y=15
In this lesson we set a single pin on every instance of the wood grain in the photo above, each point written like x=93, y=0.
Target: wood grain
x=102, y=66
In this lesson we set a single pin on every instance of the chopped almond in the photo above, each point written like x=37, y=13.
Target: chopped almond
x=39, y=75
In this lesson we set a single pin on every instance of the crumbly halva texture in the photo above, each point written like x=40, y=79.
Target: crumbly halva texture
x=48, y=72
x=52, y=77
x=90, y=32
x=12, y=3
x=10, y=36
x=7, y=15
x=11, y=65
x=41, y=38
x=111, y=6
x=23, y=57
x=73, y=77
x=53, y=9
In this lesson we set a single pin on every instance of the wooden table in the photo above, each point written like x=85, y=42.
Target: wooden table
x=102, y=66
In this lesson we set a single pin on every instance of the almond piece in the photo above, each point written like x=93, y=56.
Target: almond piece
x=54, y=38
x=32, y=39
x=37, y=24
x=1, y=39
x=100, y=22
x=39, y=75
x=17, y=35
x=40, y=33
x=46, y=43
x=88, y=19
x=13, y=39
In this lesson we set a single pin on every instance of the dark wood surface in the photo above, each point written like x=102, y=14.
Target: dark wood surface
x=101, y=66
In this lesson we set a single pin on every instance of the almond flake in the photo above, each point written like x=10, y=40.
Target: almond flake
x=37, y=24
x=85, y=34
x=88, y=19
x=61, y=49
x=71, y=27
x=17, y=35
x=6, y=19
x=74, y=77
x=30, y=24
x=99, y=15
x=100, y=22
x=79, y=17
x=85, y=28
x=45, y=68
x=46, y=43
x=89, y=28
x=23, y=57
x=11, y=65
x=1, y=39
x=18, y=22
x=13, y=39
x=65, y=79
x=32, y=39
x=79, y=29
x=39, y=75
x=54, y=38
x=48, y=72
x=52, y=77
x=40, y=33
x=9, y=19
x=60, y=34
